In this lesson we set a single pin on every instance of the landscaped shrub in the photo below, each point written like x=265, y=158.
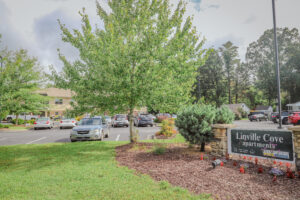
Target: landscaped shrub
x=20, y=121
x=194, y=123
x=167, y=128
x=159, y=149
x=224, y=116
x=30, y=121
x=4, y=126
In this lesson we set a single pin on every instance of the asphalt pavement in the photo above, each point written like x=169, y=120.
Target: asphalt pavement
x=44, y=136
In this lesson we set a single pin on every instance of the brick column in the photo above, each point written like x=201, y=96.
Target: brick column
x=219, y=143
x=296, y=141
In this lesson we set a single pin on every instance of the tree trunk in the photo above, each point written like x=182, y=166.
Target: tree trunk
x=17, y=119
x=202, y=149
x=131, y=125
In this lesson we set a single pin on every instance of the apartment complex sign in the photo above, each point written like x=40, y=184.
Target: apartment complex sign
x=262, y=143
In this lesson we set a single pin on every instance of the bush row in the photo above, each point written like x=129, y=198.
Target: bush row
x=4, y=126
x=22, y=121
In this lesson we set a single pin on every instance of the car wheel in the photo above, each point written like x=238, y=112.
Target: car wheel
x=60, y=127
x=35, y=128
x=73, y=140
x=151, y=125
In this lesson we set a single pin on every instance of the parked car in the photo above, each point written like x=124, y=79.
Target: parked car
x=90, y=129
x=274, y=117
x=120, y=120
x=43, y=122
x=108, y=120
x=284, y=117
x=143, y=120
x=257, y=116
x=67, y=123
x=294, y=118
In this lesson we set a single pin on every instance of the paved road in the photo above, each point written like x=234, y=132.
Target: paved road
x=116, y=134
x=57, y=135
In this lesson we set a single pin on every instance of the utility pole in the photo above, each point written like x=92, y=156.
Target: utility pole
x=277, y=64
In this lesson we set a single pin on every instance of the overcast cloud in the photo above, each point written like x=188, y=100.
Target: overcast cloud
x=32, y=24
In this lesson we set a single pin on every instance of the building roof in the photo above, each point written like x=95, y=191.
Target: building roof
x=56, y=92
x=260, y=107
x=294, y=104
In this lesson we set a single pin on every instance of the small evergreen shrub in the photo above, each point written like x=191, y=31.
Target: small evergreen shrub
x=194, y=123
x=224, y=116
x=159, y=149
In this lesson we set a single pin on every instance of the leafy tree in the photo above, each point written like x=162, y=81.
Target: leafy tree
x=144, y=52
x=229, y=54
x=290, y=76
x=260, y=57
x=211, y=82
x=20, y=79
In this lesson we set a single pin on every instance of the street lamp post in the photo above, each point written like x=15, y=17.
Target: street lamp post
x=277, y=64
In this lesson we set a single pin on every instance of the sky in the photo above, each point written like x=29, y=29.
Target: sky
x=32, y=24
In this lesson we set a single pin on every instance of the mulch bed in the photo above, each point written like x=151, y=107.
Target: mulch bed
x=181, y=166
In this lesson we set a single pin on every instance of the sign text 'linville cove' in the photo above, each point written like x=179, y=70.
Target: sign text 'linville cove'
x=263, y=143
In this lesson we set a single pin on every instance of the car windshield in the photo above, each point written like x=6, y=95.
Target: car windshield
x=120, y=118
x=90, y=121
x=145, y=117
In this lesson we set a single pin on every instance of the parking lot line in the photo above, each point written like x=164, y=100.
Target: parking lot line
x=117, y=139
x=1, y=139
x=36, y=140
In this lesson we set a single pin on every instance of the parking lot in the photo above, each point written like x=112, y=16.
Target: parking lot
x=116, y=134
x=246, y=124
x=44, y=136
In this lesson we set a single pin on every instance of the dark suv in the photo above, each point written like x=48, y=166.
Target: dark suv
x=143, y=120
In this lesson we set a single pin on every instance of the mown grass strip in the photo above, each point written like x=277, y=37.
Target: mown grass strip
x=83, y=170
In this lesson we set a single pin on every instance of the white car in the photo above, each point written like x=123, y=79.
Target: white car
x=67, y=123
x=43, y=122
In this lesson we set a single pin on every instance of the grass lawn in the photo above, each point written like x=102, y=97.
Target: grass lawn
x=83, y=170
x=19, y=128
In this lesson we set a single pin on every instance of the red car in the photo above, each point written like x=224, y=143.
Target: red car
x=295, y=118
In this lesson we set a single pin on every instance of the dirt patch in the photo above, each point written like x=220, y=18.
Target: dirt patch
x=182, y=167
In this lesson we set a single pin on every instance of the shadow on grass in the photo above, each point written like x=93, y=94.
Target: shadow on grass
x=33, y=157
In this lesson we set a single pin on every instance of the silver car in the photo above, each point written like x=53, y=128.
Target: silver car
x=90, y=129
x=43, y=122
x=67, y=123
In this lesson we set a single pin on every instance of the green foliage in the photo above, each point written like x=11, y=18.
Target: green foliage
x=20, y=121
x=145, y=54
x=260, y=59
x=167, y=128
x=159, y=148
x=19, y=79
x=229, y=54
x=4, y=126
x=224, y=116
x=211, y=82
x=194, y=123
